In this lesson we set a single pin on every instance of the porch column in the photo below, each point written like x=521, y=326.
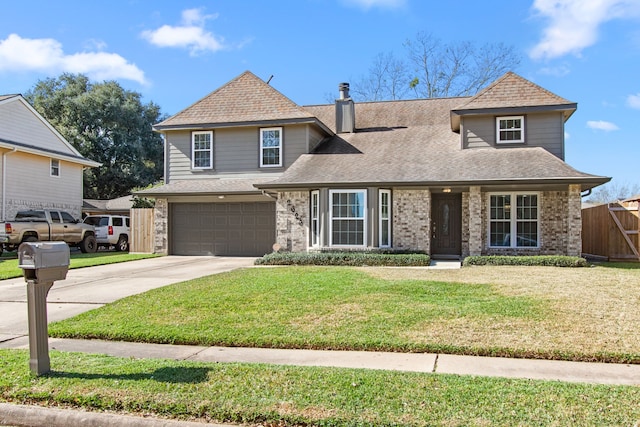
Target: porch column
x=161, y=222
x=574, y=220
x=475, y=221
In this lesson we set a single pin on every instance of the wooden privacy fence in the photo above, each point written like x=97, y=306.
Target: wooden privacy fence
x=612, y=231
x=142, y=230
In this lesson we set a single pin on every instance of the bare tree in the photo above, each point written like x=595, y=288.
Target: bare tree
x=612, y=192
x=387, y=80
x=435, y=69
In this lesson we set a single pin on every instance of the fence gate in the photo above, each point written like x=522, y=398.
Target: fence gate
x=142, y=230
x=612, y=230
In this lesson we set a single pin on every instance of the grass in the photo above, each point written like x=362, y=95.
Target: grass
x=538, y=312
x=9, y=261
x=286, y=396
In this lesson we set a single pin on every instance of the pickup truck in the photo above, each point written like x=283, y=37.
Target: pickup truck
x=47, y=225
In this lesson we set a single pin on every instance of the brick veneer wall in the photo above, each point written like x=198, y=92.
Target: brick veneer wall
x=161, y=224
x=560, y=219
x=412, y=219
x=292, y=221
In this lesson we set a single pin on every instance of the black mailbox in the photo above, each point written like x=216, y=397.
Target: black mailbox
x=44, y=261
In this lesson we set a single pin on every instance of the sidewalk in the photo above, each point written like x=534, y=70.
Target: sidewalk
x=551, y=370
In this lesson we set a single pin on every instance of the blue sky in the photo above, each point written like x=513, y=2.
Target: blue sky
x=176, y=52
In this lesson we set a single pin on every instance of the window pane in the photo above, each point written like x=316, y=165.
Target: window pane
x=501, y=207
x=527, y=234
x=271, y=156
x=348, y=232
x=500, y=234
x=384, y=233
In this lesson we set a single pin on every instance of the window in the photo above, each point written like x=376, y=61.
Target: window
x=202, y=150
x=315, y=218
x=347, y=220
x=509, y=129
x=271, y=147
x=67, y=218
x=55, y=217
x=385, y=218
x=55, y=167
x=513, y=231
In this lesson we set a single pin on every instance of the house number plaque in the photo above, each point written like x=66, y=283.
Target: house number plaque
x=297, y=216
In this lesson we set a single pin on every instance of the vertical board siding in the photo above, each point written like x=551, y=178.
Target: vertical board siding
x=544, y=130
x=142, y=231
x=601, y=236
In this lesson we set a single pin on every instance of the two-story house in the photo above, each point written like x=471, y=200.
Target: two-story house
x=38, y=167
x=248, y=170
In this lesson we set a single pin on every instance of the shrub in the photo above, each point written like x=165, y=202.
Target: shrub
x=540, y=260
x=345, y=258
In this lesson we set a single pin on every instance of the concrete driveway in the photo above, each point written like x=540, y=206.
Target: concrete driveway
x=92, y=287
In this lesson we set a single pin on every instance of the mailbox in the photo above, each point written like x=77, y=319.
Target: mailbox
x=44, y=262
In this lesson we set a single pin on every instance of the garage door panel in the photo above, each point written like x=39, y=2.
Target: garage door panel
x=242, y=229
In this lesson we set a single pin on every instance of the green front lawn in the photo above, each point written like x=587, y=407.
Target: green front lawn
x=281, y=396
x=9, y=261
x=540, y=312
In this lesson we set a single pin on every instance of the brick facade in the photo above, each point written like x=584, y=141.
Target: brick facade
x=161, y=222
x=292, y=221
x=412, y=219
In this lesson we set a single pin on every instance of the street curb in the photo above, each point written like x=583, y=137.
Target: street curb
x=37, y=416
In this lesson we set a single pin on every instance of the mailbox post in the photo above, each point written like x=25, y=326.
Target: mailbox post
x=42, y=263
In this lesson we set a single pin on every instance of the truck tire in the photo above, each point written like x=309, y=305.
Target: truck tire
x=88, y=244
x=123, y=244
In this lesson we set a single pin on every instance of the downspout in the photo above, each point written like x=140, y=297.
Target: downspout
x=4, y=182
x=587, y=194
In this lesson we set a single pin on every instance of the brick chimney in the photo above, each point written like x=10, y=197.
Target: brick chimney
x=345, y=111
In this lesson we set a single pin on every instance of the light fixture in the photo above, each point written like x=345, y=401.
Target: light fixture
x=220, y=197
x=446, y=190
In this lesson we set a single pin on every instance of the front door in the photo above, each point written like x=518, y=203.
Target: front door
x=446, y=225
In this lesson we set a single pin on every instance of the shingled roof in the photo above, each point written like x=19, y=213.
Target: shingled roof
x=245, y=99
x=511, y=92
x=411, y=143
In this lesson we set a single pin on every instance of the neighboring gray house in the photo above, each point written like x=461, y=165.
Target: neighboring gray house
x=39, y=168
x=246, y=168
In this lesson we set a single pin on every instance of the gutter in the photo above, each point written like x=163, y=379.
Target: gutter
x=4, y=182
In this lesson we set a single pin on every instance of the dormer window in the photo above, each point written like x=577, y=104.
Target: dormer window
x=509, y=129
x=202, y=150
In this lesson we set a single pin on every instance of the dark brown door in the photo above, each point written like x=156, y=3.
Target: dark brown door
x=446, y=225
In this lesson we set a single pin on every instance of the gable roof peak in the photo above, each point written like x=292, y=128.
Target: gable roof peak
x=244, y=99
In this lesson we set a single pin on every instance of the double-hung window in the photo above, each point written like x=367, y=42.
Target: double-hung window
x=202, y=150
x=509, y=129
x=270, y=147
x=384, y=215
x=55, y=167
x=347, y=217
x=513, y=220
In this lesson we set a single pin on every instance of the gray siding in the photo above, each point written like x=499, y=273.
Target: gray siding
x=235, y=150
x=544, y=130
x=315, y=137
x=19, y=124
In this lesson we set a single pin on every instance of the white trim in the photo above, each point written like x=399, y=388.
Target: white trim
x=193, y=150
x=510, y=141
x=314, y=204
x=513, y=221
x=380, y=218
x=279, y=147
x=363, y=219
x=58, y=167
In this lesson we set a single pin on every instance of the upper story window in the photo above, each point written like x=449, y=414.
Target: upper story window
x=55, y=167
x=202, y=150
x=270, y=147
x=509, y=129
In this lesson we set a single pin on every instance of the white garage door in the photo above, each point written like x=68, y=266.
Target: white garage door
x=234, y=229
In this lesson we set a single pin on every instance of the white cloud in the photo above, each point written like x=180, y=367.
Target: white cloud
x=47, y=56
x=383, y=4
x=573, y=24
x=633, y=101
x=559, y=71
x=602, y=125
x=190, y=34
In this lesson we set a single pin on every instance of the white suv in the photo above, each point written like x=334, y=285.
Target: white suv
x=111, y=230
